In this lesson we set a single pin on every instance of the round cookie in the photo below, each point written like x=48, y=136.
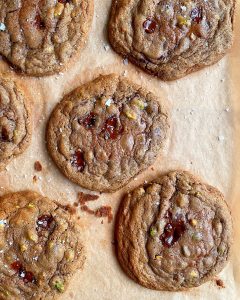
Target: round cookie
x=39, y=37
x=15, y=124
x=106, y=132
x=171, y=39
x=40, y=247
x=174, y=233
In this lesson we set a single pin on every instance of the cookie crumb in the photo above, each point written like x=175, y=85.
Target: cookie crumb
x=37, y=166
x=83, y=198
x=221, y=138
x=106, y=47
x=104, y=212
x=71, y=209
x=220, y=283
x=87, y=209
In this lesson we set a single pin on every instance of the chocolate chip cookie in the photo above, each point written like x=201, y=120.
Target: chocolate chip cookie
x=105, y=132
x=39, y=37
x=40, y=247
x=174, y=233
x=171, y=39
x=15, y=124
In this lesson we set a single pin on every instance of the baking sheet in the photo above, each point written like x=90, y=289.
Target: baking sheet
x=205, y=139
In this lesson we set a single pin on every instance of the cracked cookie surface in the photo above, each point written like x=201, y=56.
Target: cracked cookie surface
x=40, y=247
x=106, y=132
x=174, y=233
x=39, y=37
x=171, y=39
x=15, y=124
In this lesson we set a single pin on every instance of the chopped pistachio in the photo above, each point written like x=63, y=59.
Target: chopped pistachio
x=58, y=9
x=139, y=103
x=49, y=49
x=197, y=236
x=186, y=251
x=193, y=222
x=59, y=286
x=193, y=274
x=158, y=257
x=153, y=231
x=23, y=247
x=32, y=236
x=70, y=254
x=183, y=21
x=50, y=245
x=198, y=194
x=131, y=114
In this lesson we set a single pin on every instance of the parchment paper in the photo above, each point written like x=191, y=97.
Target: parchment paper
x=205, y=139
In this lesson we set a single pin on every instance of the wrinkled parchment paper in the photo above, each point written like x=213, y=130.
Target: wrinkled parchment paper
x=205, y=139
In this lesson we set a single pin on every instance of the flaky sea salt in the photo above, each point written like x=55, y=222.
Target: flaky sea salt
x=2, y=27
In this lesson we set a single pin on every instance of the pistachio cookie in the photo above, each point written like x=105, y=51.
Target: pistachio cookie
x=105, y=132
x=173, y=233
x=15, y=124
x=171, y=39
x=39, y=37
x=40, y=247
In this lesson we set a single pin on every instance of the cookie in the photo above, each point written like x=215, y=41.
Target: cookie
x=171, y=39
x=173, y=233
x=39, y=37
x=40, y=247
x=15, y=123
x=106, y=132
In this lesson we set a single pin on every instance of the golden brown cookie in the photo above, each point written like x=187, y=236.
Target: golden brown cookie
x=15, y=121
x=39, y=37
x=171, y=39
x=173, y=233
x=40, y=247
x=105, y=132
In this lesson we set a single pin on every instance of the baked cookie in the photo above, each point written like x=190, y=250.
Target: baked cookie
x=40, y=247
x=105, y=132
x=15, y=124
x=174, y=233
x=39, y=37
x=170, y=39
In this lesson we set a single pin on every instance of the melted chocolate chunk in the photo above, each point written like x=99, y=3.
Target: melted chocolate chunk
x=4, y=134
x=64, y=1
x=196, y=14
x=38, y=22
x=89, y=121
x=173, y=230
x=149, y=25
x=78, y=160
x=45, y=222
x=111, y=130
x=26, y=276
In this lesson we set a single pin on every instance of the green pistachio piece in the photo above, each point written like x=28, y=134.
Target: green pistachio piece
x=153, y=231
x=59, y=286
x=183, y=21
